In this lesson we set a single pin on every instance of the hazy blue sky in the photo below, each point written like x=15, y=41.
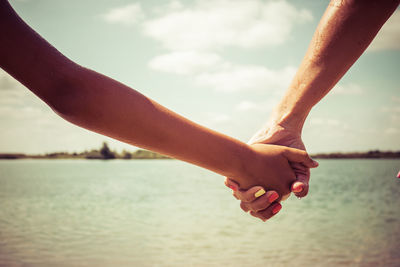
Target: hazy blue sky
x=221, y=63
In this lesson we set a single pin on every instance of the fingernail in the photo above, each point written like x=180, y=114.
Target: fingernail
x=233, y=188
x=276, y=209
x=315, y=164
x=273, y=196
x=298, y=187
x=398, y=175
x=259, y=193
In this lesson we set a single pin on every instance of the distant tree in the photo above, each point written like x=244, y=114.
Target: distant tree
x=106, y=152
x=126, y=155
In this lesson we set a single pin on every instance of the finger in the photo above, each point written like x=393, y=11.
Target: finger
x=299, y=169
x=244, y=195
x=231, y=184
x=284, y=197
x=244, y=207
x=268, y=212
x=251, y=194
x=301, y=186
x=300, y=156
x=234, y=195
x=262, y=202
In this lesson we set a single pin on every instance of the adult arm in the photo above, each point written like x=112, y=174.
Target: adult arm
x=343, y=33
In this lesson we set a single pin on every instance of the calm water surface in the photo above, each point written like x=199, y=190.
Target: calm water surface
x=168, y=213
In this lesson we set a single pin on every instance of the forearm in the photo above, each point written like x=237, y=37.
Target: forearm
x=103, y=105
x=344, y=32
x=110, y=108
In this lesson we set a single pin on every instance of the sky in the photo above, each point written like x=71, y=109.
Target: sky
x=223, y=64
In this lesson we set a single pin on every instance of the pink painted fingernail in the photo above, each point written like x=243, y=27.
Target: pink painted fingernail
x=233, y=188
x=276, y=209
x=398, y=175
x=298, y=187
x=272, y=196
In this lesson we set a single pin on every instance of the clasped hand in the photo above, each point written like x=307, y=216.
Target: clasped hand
x=288, y=171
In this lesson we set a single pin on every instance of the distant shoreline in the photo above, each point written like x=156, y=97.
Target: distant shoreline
x=372, y=154
x=105, y=154
x=55, y=156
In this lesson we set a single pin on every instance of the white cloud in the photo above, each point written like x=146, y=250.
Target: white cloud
x=221, y=23
x=214, y=120
x=125, y=15
x=247, y=78
x=210, y=70
x=185, y=62
x=193, y=35
x=393, y=113
x=347, y=89
x=13, y=97
x=219, y=118
x=248, y=106
x=20, y=105
x=325, y=121
x=391, y=109
x=257, y=107
x=389, y=36
x=391, y=131
x=11, y=91
x=396, y=98
x=7, y=82
x=24, y=113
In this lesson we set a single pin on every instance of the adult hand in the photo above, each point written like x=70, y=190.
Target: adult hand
x=275, y=161
x=291, y=137
x=344, y=32
x=280, y=135
x=270, y=166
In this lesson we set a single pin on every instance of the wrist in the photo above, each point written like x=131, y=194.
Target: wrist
x=242, y=158
x=282, y=125
x=289, y=117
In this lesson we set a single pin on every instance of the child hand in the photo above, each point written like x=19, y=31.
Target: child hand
x=270, y=166
x=276, y=162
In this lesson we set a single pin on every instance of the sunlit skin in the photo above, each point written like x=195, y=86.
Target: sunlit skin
x=343, y=33
x=98, y=103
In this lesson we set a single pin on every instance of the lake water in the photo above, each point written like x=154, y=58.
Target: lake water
x=168, y=213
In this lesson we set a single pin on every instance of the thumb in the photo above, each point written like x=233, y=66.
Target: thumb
x=300, y=156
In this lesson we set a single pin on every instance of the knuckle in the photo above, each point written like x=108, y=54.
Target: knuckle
x=260, y=205
x=247, y=197
x=226, y=182
x=304, y=193
x=258, y=215
x=244, y=207
x=265, y=214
